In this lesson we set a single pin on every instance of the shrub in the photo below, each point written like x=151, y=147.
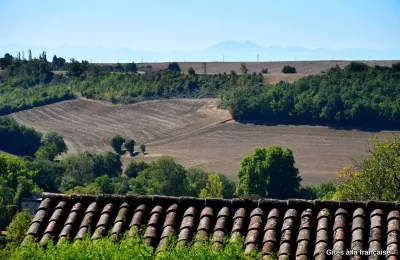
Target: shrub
x=289, y=69
x=264, y=71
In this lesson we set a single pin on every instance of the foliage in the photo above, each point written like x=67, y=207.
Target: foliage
x=191, y=71
x=130, y=146
x=16, y=182
x=324, y=191
x=128, y=247
x=79, y=171
x=57, y=139
x=174, y=67
x=375, y=177
x=116, y=143
x=289, y=69
x=134, y=167
x=18, y=139
x=17, y=228
x=269, y=172
x=264, y=71
x=27, y=84
x=213, y=187
x=112, y=164
x=197, y=179
x=344, y=97
x=143, y=148
x=243, y=68
x=47, y=152
x=163, y=177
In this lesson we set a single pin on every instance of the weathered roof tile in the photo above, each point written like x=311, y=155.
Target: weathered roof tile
x=294, y=229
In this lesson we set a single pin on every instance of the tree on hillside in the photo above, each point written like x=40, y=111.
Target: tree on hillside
x=143, y=148
x=29, y=55
x=173, y=66
x=191, y=71
x=268, y=172
x=57, y=139
x=117, y=142
x=375, y=177
x=130, y=146
x=204, y=66
x=47, y=152
x=289, y=69
x=213, y=187
x=243, y=68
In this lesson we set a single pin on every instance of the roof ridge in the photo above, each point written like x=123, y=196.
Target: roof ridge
x=227, y=202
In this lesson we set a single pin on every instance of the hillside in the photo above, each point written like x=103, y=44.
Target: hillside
x=193, y=133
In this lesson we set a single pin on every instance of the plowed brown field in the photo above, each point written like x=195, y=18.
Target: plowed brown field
x=196, y=133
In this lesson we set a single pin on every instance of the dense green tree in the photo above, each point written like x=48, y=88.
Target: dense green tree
x=18, y=139
x=117, y=142
x=130, y=146
x=191, y=71
x=47, y=152
x=112, y=164
x=79, y=171
x=134, y=167
x=375, y=177
x=213, y=187
x=48, y=174
x=269, y=172
x=197, y=179
x=289, y=69
x=54, y=138
x=164, y=177
x=17, y=229
x=174, y=67
x=131, y=67
x=16, y=182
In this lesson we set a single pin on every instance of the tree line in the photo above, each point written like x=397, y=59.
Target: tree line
x=357, y=95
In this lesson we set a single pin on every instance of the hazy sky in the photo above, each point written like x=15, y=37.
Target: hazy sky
x=166, y=25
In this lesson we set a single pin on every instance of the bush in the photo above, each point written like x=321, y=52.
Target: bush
x=105, y=248
x=289, y=69
x=264, y=71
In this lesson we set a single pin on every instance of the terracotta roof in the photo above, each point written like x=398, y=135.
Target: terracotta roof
x=300, y=229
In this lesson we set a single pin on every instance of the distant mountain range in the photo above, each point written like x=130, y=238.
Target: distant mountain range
x=225, y=51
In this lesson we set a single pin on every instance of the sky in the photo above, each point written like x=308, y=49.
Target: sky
x=161, y=26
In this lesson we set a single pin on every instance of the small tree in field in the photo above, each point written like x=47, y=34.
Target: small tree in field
x=243, y=68
x=191, y=71
x=130, y=146
x=143, y=148
x=204, y=66
x=289, y=69
x=117, y=143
